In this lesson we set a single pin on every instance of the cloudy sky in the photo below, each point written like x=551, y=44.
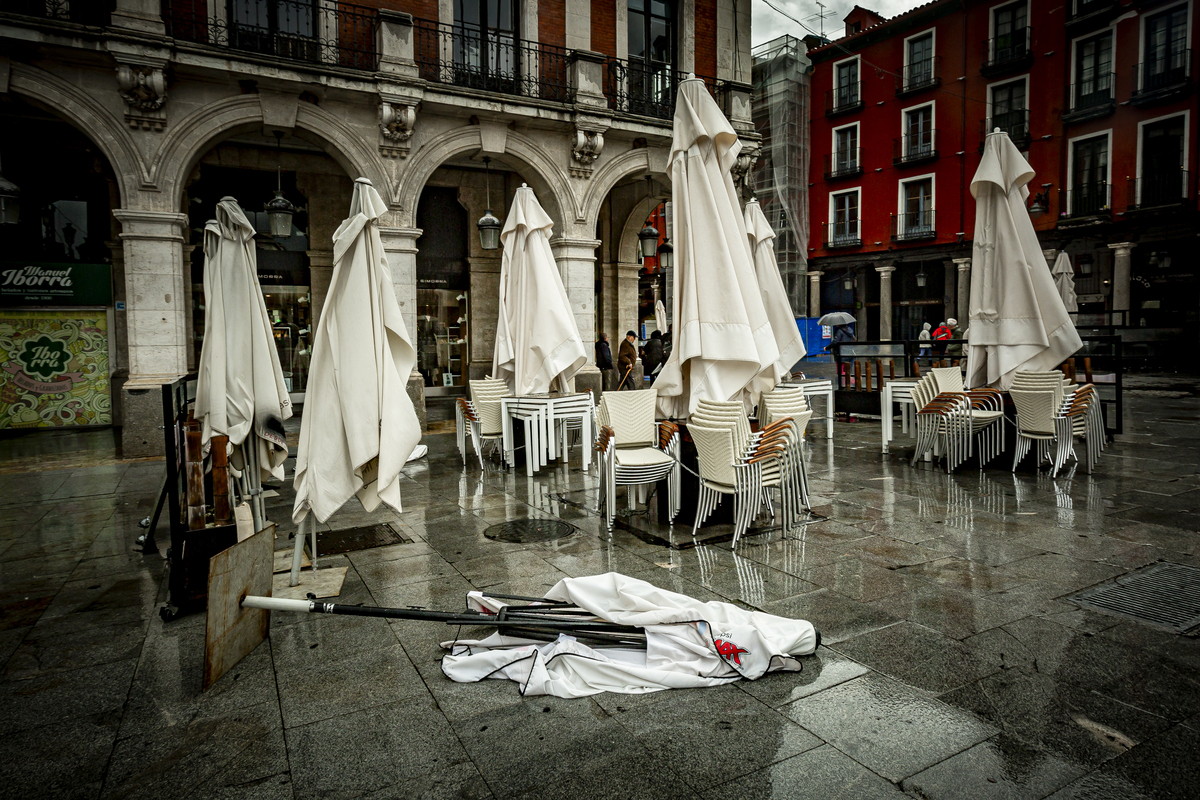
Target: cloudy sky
x=767, y=23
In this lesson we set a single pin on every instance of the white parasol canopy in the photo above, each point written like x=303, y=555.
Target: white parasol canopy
x=1017, y=321
x=722, y=336
x=660, y=316
x=775, y=299
x=1064, y=280
x=538, y=347
x=359, y=425
x=239, y=386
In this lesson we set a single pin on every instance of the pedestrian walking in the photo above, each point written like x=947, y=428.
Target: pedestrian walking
x=603, y=353
x=652, y=357
x=626, y=359
x=940, y=334
x=924, y=336
x=954, y=347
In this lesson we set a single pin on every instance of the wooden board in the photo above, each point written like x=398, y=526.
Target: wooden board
x=283, y=560
x=232, y=631
x=327, y=583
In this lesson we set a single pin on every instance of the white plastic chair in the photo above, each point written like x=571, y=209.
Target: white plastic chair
x=1040, y=420
x=635, y=450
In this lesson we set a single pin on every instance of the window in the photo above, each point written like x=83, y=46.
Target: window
x=919, y=68
x=918, y=132
x=285, y=28
x=485, y=43
x=917, y=211
x=1162, y=177
x=846, y=88
x=845, y=150
x=1089, y=179
x=1093, y=71
x=1009, y=110
x=1166, y=49
x=1009, y=29
x=845, y=218
x=651, y=29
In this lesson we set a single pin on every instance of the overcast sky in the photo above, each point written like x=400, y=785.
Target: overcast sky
x=768, y=23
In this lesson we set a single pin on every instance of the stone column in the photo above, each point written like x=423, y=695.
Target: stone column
x=949, y=295
x=320, y=275
x=1122, y=252
x=627, y=300
x=577, y=265
x=814, y=294
x=885, y=302
x=400, y=246
x=964, y=291
x=156, y=320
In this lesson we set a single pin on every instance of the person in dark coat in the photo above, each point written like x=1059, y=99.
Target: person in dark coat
x=626, y=358
x=603, y=353
x=653, y=355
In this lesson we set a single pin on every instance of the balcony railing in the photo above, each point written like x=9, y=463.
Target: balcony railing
x=844, y=99
x=843, y=164
x=913, y=226
x=842, y=234
x=1161, y=77
x=83, y=12
x=339, y=34
x=1007, y=51
x=915, y=147
x=918, y=75
x=463, y=56
x=1087, y=200
x=1092, y=98
x=634, y=87
x=1014, y=123
x=1158, y=190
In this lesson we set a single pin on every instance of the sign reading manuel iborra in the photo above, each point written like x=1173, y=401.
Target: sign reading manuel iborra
x=43, y=284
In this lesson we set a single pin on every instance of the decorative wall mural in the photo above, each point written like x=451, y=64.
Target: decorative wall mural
x=54, y=368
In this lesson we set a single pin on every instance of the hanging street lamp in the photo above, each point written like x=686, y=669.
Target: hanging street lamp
x=279, y=209
x=648, y=237
x=489, y=225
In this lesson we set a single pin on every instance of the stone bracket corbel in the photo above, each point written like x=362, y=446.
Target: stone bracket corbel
x=397, y=120
x=142, y=84
x=587, y=144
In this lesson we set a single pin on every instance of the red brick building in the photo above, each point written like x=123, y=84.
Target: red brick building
x=1099, y=95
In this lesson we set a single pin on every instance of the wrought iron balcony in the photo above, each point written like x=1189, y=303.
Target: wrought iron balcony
x=919, y=75
x=1159, y=190
x=844, y=99
x=841, y=234
x=914, y=148
x=459, y=55
x=1092, y=98
x=341, y=34
x=1087, y=200
x=1014, y=123
x=647, y=90
x=843, y=164
x=913, y=226
x=1162, y=78
x=1008, y=51
x=83, y=12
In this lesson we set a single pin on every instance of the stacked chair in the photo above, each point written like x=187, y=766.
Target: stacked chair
x=789, y=402
x=480, y=416
x=1051, y=411
x=736, y=461
x=634, y=449
x=951, y=419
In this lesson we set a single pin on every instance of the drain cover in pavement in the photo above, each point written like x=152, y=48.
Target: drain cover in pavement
x=1164, y=595
x=362, y=538
x=524, y=531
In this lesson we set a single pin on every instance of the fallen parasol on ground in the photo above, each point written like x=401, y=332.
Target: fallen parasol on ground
x=602, y=633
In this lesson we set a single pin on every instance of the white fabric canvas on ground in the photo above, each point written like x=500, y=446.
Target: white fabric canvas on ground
x=689, y=643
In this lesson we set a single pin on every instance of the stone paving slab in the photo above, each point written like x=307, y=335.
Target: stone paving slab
x=954, y=665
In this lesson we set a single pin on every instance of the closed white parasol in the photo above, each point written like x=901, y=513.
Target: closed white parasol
x=775, y=299
x=359, y=425
x=1018, y=320
x=239, y=387
x=1064, y=280
x=722, y=337
x=538, y=347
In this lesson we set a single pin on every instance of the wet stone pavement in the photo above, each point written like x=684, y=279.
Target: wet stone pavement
x=953, y=664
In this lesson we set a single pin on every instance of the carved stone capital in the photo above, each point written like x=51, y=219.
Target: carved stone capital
x=143, y=87
x=586, y=149
x=396, y=124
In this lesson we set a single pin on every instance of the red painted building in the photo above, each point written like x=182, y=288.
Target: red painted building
x=1099, y=94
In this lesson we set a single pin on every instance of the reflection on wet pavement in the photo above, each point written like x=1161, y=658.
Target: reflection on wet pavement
x=953, y=665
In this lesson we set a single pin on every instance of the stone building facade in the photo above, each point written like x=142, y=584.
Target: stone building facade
x=181, y=102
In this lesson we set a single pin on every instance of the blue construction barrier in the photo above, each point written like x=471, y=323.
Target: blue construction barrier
x=816, y=339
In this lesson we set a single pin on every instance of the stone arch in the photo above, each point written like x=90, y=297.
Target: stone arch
x=200, y=131
x=86, y=114
x=627, y=243
x=631, y=162
x=548, y=181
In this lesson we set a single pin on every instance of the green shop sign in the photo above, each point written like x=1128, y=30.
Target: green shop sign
x=42, y=284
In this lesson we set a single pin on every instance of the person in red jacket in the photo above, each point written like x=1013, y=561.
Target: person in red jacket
x=941, y=335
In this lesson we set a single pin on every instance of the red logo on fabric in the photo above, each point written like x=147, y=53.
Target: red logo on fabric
x=729, y=650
